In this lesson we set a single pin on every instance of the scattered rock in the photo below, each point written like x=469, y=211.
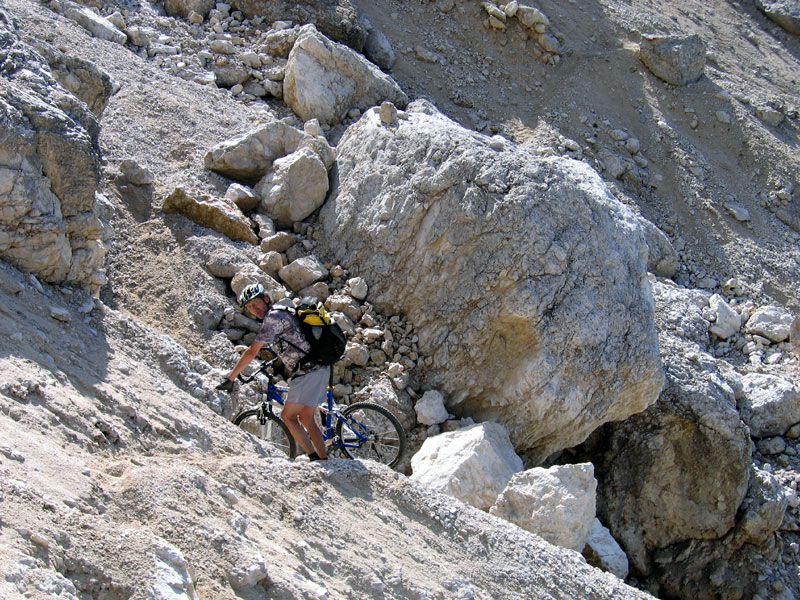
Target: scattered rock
x=430, y=408
x=218, y=214
x=770, y=405
x=773, y=322
x=303, y=272
x=677, y=59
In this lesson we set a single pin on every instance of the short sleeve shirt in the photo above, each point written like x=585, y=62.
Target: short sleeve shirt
x=281, y=332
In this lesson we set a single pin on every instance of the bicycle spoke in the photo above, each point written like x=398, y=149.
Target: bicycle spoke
x=371, y=432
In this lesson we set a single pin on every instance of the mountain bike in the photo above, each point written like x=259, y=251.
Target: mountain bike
x=362, y=430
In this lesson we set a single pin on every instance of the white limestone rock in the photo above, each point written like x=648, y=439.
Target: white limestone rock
x=325, y=80
x=219, y=214
x=515, y=269
x=430, y=408
x=303, y=272
x=603, y=551
x=773, y=322
x=98, y=26
x=295, y=188
x=726, y=320
x=357, y=288
x=556, y=503
x=249, y=157
x=770, y=405
x=472, y=464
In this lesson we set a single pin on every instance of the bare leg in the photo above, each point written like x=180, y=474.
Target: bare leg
x=307, y=419
x=291, y=414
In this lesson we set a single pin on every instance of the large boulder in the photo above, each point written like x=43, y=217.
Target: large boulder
x=524, y=277
x=325, y=80
x=473, y=464
x=556, y=503
x=769, y=405
x=677, y=59
x=785, y=13
x=49, y=169
x=654, y=487
x=337, y=19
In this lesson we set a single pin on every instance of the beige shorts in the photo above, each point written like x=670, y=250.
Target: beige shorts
x=309, y=389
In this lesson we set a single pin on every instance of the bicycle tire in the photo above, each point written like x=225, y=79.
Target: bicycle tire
x=279, y=436
x=386, y=438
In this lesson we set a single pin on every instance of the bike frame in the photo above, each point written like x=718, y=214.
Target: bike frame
x=276, y=395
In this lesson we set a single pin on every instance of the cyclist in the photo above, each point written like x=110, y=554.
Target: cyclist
x=308, y=382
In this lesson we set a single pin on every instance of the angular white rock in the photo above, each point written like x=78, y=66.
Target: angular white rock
x=472, y=464
x=772, y=322
x=770, y=405
x=727, y=321
x=556, y=503
x=603, y=551
x=430, y=408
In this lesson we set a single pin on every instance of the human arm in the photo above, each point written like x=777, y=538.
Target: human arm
x=245, y=359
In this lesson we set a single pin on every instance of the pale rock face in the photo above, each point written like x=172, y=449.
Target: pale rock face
x=295, y=189
x=677, y=59
x=524, y=277
x=770, y=405
x=653, y=487
x=773, y=322
x=49, y=168
x=430, y=408
x=325, y=80
x=472, y=464
x=603, y=551
x=763, y=508
x=556, y=503
x=219, y=214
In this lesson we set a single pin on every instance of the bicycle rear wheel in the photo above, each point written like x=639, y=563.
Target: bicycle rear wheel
x=268, y=427
x=371, y=432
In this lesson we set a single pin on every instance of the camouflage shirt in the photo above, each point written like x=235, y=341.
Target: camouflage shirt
x=281, y=332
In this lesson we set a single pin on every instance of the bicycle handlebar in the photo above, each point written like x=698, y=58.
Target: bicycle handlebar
x=266, y=364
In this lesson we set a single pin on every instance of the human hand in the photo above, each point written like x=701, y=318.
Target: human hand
x=225, y=386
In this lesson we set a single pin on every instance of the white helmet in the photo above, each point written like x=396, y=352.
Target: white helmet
x=252, y=291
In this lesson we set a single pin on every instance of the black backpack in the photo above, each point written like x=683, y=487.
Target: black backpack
x=326, y=338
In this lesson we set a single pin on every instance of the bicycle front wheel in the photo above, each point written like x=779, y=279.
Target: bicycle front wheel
x=371, y=432
x=268, y=427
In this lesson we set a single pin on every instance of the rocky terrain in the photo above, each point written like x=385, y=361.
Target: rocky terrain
x=573, y=224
